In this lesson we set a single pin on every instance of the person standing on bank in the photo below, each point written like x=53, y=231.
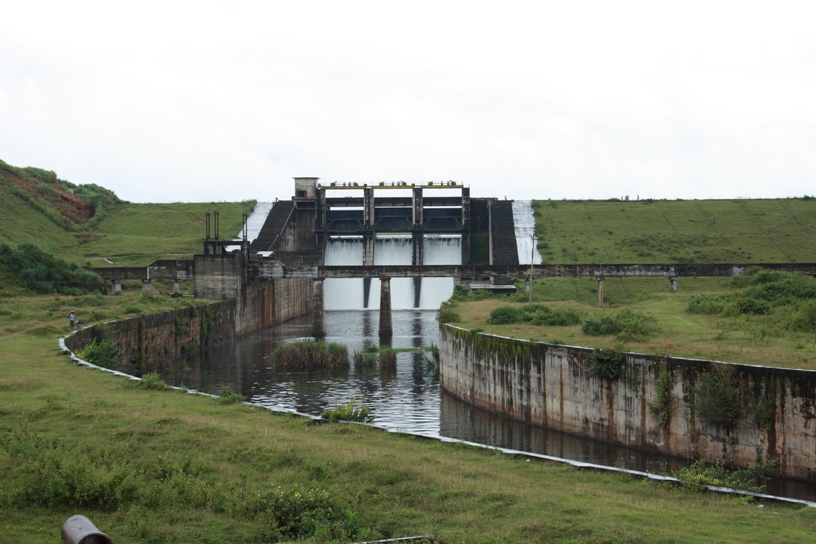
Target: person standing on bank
x=71, y=319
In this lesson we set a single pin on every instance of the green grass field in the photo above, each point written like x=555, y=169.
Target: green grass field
x=751, y=339
x=160, y=466
x=138, y=234
x=677, y=231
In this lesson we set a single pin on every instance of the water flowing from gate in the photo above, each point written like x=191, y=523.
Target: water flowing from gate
x=406, y=293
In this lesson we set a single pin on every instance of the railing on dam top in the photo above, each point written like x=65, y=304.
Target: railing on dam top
x=538, y=271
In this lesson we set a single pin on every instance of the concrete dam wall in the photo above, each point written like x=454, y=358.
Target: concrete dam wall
x=557, y=387
x=258, y=303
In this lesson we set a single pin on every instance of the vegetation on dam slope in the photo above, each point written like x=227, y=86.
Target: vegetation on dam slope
x=677, y=231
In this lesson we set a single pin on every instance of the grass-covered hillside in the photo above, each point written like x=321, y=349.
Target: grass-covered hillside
x=88, y=223
x=677, y=231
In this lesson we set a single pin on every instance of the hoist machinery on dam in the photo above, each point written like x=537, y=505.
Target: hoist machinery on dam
x=351, y=209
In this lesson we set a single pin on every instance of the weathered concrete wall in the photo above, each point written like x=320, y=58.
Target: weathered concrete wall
x=268, y=303
x=258, y=303
x=219, y=277
x=147, y=341
x=162, y=270
x=552, y=386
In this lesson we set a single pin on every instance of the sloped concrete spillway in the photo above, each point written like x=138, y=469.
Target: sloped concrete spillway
x=254, y=223
x=526, y=240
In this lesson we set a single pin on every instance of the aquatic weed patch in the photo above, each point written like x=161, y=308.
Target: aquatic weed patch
x=311, y=354
x=700, y=474
x=353, y=411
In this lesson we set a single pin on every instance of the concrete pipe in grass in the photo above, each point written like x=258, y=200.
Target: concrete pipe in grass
x=80, y=530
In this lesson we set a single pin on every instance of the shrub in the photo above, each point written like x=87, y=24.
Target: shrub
x=701, y=474
x=765, y=412
x=228, y=396
x=558, y=317
x=661, y=408
x=777, y=288
x=47, y=472
x=606, y=363
x=537, y=314
x=505, y=315
x=101, y=353
x=805, y=318
x=53, y=473
x=299, y=513
x=44, y=273
x=717, y=397
x=152, y=382
x=747, y=305
x=447, y=314
x=626, y=324
x=353, y=411
x=706, y=305
x=311, y=354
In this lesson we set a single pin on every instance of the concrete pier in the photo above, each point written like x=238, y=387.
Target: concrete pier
x=466, y=225
x=318, y=310
x=368, y=208
x=146, y=286
x=417, y=215
x=176, y=289
x=366, y=292
x=386, y=325
x=417, y=248
x=600, y=290
x=673, y=281
x=368, y=249
x=116, y=288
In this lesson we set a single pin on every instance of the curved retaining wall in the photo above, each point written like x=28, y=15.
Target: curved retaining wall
x=147, y=341
x=552, y=386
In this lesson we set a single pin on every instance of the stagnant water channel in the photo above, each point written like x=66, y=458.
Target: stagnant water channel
x=407, y=399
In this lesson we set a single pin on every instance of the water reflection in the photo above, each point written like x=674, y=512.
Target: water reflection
x=407, y=397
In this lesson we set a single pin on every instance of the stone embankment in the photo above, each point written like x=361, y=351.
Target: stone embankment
x=559, y=387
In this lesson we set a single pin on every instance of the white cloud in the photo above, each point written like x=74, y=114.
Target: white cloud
x=206, y=101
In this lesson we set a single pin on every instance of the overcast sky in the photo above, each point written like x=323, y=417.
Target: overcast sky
x=206, y=101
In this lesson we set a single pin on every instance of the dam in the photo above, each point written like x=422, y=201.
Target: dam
x=392, y=250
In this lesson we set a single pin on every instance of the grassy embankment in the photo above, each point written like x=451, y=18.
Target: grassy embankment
x=664, y=232
x=677, y=231
x=159, y=466
x=47, y=215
